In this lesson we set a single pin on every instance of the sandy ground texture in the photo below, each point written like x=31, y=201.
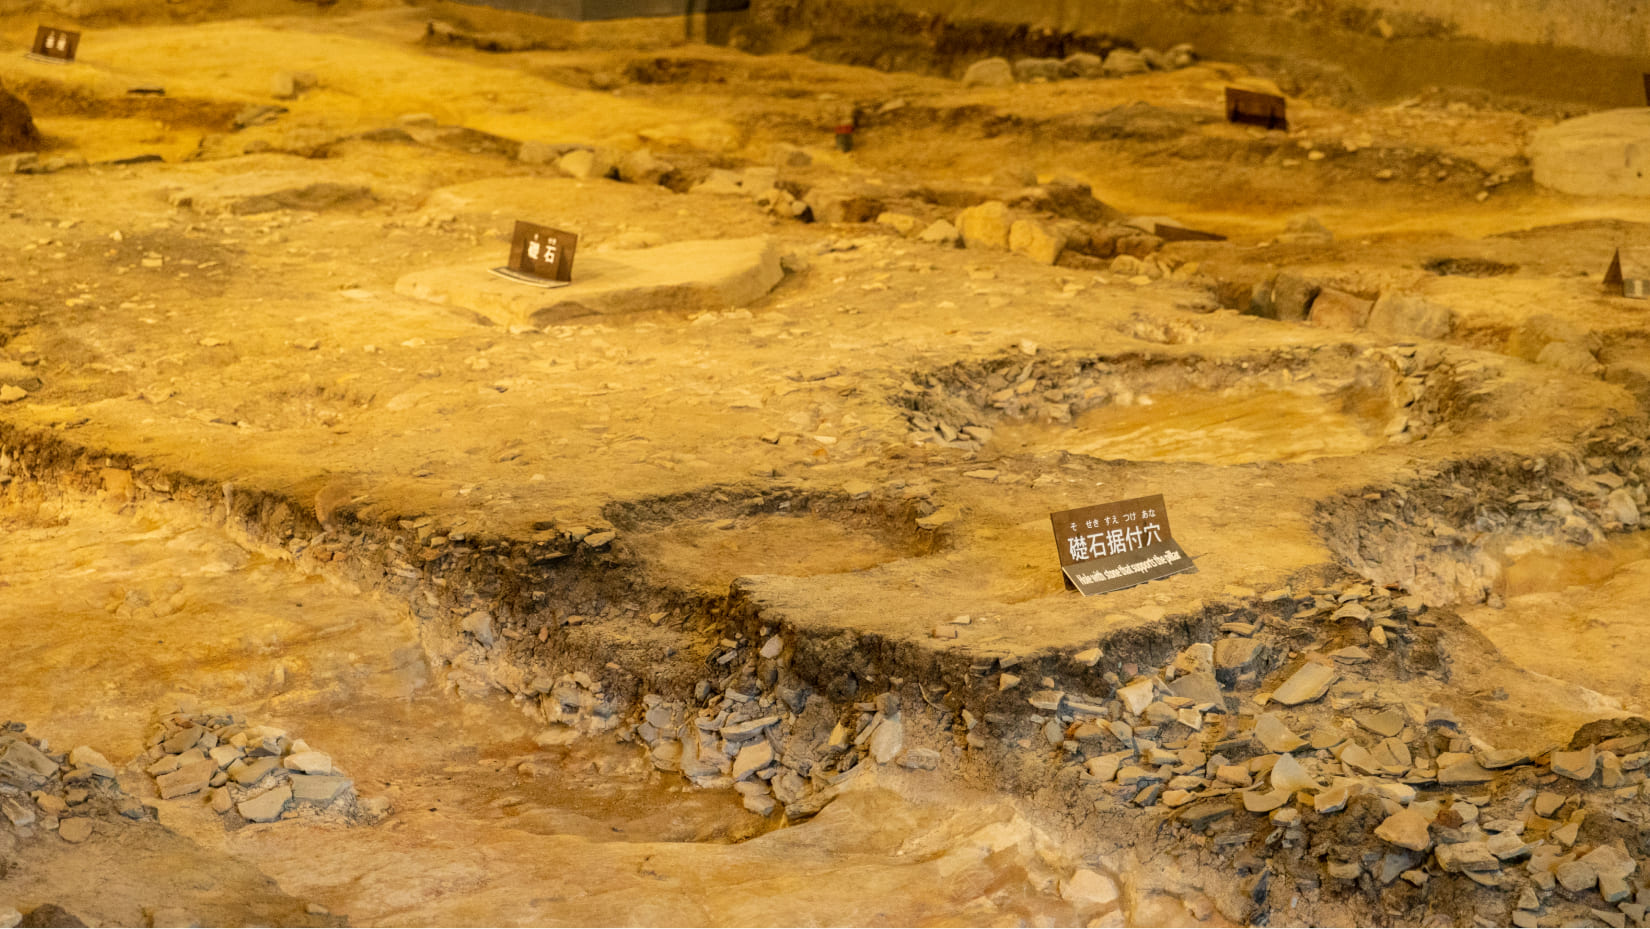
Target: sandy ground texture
x=347, y=581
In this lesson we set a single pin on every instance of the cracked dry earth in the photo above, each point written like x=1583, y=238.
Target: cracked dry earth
x=344, y=583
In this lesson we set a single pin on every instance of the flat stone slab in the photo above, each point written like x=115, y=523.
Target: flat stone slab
x=683, y=277
x=318, y=788
x=1598, y=155
x=1309, y=683
x=267, y=806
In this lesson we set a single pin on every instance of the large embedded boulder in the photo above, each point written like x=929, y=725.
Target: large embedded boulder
x=1598, y=155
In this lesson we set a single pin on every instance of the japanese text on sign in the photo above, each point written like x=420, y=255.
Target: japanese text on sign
x=542, y=252
x=1112, y=538
x=55, y=44
x=1116, y=545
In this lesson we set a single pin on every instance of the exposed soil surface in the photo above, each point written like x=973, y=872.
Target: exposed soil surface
x=722, y=589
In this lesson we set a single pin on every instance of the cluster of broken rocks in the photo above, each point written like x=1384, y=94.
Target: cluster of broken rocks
x=63, y=793
x=73, y=795
x=1553, y=834
x=1119, y=62
x=258, y=773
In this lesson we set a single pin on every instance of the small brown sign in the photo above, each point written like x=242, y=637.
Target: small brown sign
x=540, y=255
x=1116, y=545
x=1629, y=275
x=1256, y=109
x=52, y=44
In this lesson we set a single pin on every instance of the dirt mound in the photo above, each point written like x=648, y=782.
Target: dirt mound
x=17, y=131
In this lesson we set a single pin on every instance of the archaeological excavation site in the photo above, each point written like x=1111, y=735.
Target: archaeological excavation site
x=824, y=463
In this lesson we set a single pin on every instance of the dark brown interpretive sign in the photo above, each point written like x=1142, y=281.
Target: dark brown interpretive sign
x=55, y=45
x=1256, y=109
x=1629, y=274
x=540, y=255
x=1116, y=545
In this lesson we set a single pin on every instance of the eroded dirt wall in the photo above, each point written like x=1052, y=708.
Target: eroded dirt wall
x=1590, y=51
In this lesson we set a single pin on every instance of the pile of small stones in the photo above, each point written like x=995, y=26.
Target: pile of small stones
x=51, y=792
x=257, y=773
x=1202, y=745
x=1323, y=743
x=1120, y=62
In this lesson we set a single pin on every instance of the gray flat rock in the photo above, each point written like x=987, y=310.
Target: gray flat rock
x=1466, y=856
x=1577, y=766
x=186, y=780
x=1310, y=683
x=1597, y=155
x=267, y=806
x=23, y=765
x=248, y=772
x=1271, y=732
x=318, y=788
x=1406, y=829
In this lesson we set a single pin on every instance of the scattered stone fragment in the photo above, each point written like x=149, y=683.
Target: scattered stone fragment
x=1033, y=240
x=888, y=740
x=247, y=773
x=267, y=806
x=920, y=759
x=1359, y=759
x=1466, y=856
x=1507, y=847
x=940, y=232
x=1235, y=654
x=1103, y=768
x=1547, y=803
x=1309, y=683
x=985, y=225
x=1497, y=758
x=1122, y=62
x=1577, y=766
x=1087, y=888
x=1463, y=772
x=989, y=72
x=76, y=829
x=751, y=759
x=762, y=804
x=1610, y=860
x=186, y=780
x=318, y=788
x=1322, y=738
x=1387, y=723
x=1406, y=829
x=1332, y=800
x=22, y=765
x=1257, y=802
x=1273, y=734
x=1566, y=834
x=309, y=762
x=86, y=757
x=1576, y=876
x=1288, y=774
x=1345, y=870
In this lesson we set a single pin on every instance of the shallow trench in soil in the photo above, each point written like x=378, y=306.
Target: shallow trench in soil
x=492, y=821
x=726, y=604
